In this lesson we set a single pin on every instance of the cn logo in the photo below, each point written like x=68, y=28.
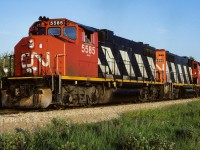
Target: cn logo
x=31, y=57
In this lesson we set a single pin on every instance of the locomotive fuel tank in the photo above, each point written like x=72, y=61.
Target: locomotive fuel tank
x=188, y=92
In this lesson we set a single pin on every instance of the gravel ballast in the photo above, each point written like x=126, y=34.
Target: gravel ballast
x=33, y=120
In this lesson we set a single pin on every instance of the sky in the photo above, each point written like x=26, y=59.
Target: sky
x=173, y=25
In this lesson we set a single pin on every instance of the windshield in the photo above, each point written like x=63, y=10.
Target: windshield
x=54, y=31
x=70, y=32
x=39, y=31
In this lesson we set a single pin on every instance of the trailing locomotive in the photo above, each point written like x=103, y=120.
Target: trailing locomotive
x=67, y=63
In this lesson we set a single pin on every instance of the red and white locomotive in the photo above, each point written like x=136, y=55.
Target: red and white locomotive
x=63, y=62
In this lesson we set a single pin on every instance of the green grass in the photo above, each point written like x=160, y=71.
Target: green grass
x=175, y=127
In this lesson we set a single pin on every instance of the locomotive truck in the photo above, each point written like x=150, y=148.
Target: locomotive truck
x=66, y=63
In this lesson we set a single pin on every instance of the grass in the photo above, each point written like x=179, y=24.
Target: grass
x=175, y=127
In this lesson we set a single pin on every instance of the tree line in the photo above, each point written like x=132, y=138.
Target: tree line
x=6, y=64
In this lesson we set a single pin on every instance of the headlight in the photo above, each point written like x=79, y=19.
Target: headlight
x=29, y=70
x=34, y=68
x=31, y=43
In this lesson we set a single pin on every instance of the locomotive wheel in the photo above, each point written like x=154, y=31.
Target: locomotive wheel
x=75, y=102
x=88, y=101
x=143, y=97
x=176, y=93
x=154, y=93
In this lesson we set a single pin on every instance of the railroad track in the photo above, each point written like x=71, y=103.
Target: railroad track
x=9, y=111
x=56, y=108
x=31, y=120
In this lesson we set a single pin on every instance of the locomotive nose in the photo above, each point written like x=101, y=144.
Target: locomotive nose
x=32, y=56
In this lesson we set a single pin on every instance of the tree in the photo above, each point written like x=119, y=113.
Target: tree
x=191, y=57
x=6, y=64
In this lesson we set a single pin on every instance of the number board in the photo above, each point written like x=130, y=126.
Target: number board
x=56, y=23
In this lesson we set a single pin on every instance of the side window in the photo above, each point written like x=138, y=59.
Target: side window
x=70, y=32
x=54, y=31
x=88, y=37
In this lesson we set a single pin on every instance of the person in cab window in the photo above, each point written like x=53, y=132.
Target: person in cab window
x=87, y=40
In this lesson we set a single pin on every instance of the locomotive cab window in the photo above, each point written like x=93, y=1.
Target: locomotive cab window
x=54, y=31
x=70, y=32
x=88, y=37
x=39, y=31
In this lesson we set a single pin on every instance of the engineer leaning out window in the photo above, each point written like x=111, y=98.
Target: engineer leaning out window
x=87, y=40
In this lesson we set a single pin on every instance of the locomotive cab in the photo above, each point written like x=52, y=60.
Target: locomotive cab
x=57, y=27
x=57, y=47
x=196, y=72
